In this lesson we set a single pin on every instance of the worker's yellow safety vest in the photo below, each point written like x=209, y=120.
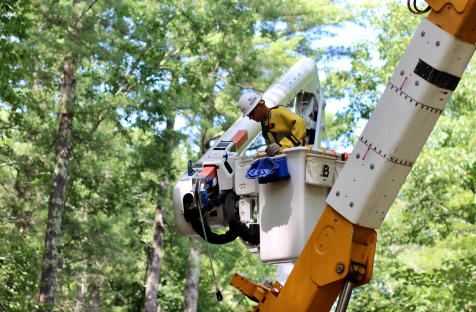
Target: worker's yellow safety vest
x=284, y=127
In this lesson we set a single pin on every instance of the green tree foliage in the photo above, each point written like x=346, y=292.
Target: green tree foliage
x=18, y=271
x=14, y=26
x=137, y=65
x=264, y=59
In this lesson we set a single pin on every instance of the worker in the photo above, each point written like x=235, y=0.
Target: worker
x=281, y=128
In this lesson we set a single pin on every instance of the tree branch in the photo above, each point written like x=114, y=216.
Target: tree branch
x=84, y=12
x=243, y=86
x=1, y=303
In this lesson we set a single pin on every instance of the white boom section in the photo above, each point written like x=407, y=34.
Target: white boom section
x=301, y=76
x=398, y=128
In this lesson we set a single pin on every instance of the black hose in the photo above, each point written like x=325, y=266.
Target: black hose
x=233, y=218
x=192, y=215
x=237, y=228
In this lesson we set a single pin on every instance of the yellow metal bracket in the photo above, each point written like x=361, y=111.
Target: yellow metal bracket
x=264, y=295
x=436, y=5
x=336, y=251
x=456, y=17
x=331, y=248
x=337, y=244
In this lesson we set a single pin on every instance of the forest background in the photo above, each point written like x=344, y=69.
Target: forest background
x=103, y=102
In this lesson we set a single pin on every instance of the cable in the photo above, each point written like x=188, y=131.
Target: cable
x=415, y=9
x=3, y=306
x=219, y=296
x=218, y=293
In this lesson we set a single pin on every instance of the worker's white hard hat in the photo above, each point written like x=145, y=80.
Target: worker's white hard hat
x=248, y=102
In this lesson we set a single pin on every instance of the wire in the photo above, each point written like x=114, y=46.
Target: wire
x=415, y=9
x=219, y=296
x=1, y=303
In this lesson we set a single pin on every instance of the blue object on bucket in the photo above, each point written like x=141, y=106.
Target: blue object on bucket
x=269, y=170
x=262, y=168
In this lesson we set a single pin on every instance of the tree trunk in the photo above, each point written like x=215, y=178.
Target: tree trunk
x=96, y=301
x=190, y=299
x=158, y=242
x=82, y=300
x=155, y=258
x=21, y=207
x=58, y=184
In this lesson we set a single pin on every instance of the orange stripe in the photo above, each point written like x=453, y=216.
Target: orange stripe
x=209, y=171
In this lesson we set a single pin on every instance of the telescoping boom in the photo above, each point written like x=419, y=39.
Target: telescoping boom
x=319, y=225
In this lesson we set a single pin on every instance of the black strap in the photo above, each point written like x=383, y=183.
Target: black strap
x=266, y=129
x=436, y=77
x=293, y=139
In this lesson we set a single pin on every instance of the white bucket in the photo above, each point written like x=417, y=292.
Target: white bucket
x=289, y=211
x=339, y=165
x=320, y=170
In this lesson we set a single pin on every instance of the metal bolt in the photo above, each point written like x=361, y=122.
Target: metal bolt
x=337, y=193
x=423, y=34
x=358, y=156
x=402, y=73
x=340, y=268
x=437, y=43
x=417, y=83
x=241, y=289
x=372, y=166
x=351, y=204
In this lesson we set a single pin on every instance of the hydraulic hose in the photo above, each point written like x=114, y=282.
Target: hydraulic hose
x=233, y=218
x=236, y=228
x=192, y=216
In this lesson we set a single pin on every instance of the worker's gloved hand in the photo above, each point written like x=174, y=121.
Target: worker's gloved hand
x=273, y=149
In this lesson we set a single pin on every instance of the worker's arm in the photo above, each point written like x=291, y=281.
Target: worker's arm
x=289, y=122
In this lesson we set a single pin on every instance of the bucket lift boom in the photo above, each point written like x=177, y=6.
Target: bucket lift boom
x=339, y=253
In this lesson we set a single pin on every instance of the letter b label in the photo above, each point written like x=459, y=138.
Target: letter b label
x=325, y=171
